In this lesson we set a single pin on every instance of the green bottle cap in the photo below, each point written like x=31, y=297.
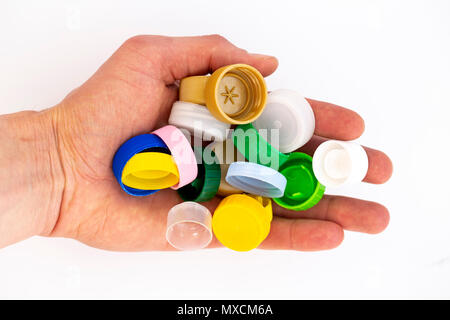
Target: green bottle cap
x=206, y=185
x=255, y=148
x=303, y=190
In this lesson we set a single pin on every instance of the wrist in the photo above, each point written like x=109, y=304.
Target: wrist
x=31, y=174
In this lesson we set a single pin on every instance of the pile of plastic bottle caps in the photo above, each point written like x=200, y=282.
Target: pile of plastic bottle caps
x=229, y=138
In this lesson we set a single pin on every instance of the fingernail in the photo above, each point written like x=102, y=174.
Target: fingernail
x=262, y=56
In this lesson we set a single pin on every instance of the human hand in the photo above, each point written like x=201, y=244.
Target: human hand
x=131, y=94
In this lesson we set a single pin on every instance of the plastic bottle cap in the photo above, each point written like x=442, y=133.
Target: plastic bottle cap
x=205, y=186
x=303, y=191
x=241, y=222
x=189, y=226
x=150, y=171
x=338, y=163
x=198, y=120
x=290, y=113
x=234, y=94
x=182, y=153
x=255, y=147
x=226, y=153
x=137, y=144
x=256, y=179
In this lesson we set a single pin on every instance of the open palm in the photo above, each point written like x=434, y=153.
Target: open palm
x=131, y=94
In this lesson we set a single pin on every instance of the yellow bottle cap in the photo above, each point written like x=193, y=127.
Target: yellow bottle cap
x=234, y=94
x=150, y=171
x=241, y=222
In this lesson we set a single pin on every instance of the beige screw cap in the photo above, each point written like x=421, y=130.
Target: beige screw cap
x=226, y=153
x=234, y=94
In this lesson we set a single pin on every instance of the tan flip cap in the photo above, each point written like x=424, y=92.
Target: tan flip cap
x=234, y=94
x=226, y=153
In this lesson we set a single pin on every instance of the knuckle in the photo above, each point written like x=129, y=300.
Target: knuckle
x=218, y=38
x=142, y=41
x=135, y=41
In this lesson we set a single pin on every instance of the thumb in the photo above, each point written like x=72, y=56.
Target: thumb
x=173, y=58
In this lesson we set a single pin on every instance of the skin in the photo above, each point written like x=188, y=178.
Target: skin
x=56, y=171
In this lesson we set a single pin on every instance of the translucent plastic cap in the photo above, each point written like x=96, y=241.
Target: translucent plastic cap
x=337, y=163
x=189, y=226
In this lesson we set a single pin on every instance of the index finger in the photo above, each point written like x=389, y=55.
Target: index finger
x=335, y=122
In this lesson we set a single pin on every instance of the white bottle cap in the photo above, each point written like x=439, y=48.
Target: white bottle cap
x=337, y=163
x=189, y=226
x=198, y=120
x=291, y=113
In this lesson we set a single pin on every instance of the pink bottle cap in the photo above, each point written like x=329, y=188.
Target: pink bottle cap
x=182, y=153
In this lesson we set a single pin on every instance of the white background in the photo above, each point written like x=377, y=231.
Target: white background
x=388, y=60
